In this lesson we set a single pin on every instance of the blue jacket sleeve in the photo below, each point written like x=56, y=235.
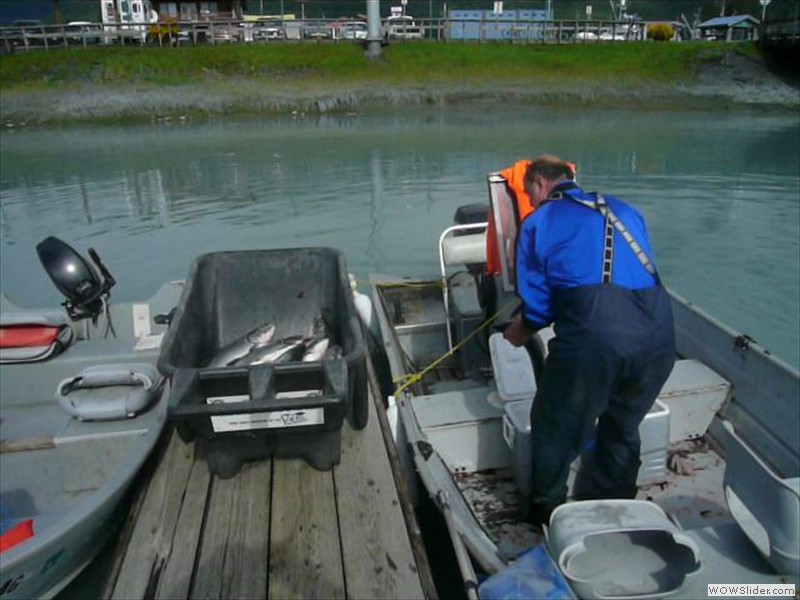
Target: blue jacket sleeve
x=532, y=285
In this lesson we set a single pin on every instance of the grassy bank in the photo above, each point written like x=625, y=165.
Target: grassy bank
x=148, y=82
x=346, y=63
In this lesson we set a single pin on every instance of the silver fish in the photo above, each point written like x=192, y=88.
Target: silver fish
x=316, y=349
x=282, y=350
x=258, y=337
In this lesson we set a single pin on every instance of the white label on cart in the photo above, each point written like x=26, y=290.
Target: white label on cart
x=276, y=419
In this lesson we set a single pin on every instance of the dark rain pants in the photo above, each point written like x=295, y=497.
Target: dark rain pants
x=614, y=349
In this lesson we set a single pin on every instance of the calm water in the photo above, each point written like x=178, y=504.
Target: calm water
x=721, y=194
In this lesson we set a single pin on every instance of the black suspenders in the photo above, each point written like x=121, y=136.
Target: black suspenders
x=612, y=222
x=608, y=245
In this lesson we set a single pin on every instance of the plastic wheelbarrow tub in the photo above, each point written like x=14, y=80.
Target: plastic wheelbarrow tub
x=251, y=412
x=620, y=549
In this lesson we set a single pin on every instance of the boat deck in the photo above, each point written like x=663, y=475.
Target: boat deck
x=692, y=496
x=277, y=529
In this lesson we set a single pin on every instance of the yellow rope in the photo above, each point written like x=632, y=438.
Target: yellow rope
x=408, y=284
x=413, y=378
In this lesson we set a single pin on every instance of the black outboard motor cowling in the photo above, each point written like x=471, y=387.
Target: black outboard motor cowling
x=471, y=213
x=75, y=277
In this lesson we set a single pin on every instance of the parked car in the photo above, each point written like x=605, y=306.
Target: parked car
x=586, y=36
x=79, y=33
x=224, y=33
x=317, y=31
x=26, y=32
x=265, y=31
x=608, y=36
x=402, y=28
x=353, y=30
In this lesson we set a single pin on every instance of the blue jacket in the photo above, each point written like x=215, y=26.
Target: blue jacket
x=560, y=245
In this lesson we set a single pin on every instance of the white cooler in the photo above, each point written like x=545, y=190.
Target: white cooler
x=654, y=431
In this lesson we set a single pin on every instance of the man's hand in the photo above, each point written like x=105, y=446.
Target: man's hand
x=516, y=333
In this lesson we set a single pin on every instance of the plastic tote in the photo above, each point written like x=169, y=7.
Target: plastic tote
x=533, y=575
x=285, y=410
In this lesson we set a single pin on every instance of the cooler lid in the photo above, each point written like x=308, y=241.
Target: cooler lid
x=513, y=371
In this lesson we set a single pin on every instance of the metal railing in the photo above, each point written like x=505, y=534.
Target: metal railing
x=783, y=32
x=170, y=33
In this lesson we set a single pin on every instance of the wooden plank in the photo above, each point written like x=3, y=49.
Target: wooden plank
x=140, y=484
x=305, y=559
x=27, y=444
x=177, y=573
x=152, y=538
x=401, y=484
x=235, y=549
x=378, y=558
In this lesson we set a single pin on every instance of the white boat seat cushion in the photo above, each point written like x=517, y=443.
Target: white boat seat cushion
x=109, y=392
x=464, y=249
x=764, y=504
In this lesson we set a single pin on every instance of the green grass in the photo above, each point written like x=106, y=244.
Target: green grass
x=346, y=64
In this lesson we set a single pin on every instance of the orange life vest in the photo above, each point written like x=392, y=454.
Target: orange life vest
x=515, y=179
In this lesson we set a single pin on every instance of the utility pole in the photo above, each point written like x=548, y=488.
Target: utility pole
x=374, y=36
x=764, y=5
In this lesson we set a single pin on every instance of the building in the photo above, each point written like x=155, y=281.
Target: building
x=485, y=25
x=730, y=29
x=192, y=10
x=150, y=11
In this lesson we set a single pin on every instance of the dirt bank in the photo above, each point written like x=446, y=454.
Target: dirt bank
x=732, y=82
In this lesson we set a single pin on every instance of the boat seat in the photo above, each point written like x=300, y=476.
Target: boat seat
x=31, y=335
x=728, y=559
x=459, y=245
x=765, y=504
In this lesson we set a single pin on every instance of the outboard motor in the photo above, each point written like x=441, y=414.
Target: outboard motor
x=85, y=290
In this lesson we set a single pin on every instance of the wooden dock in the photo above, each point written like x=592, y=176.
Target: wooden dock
x=277, y=529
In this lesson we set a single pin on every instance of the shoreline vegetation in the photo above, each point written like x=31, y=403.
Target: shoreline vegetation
x=132, y=83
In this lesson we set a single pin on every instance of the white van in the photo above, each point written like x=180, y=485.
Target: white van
x=402, y=27
x=127, y=19
x=353, y=30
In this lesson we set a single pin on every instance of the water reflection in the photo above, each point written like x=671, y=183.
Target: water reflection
x=720, y=193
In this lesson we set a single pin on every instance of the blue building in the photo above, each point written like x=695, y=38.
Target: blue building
x=509, y=25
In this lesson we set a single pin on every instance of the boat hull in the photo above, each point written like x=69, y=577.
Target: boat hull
x=71, y=477
x=450, y=434
x=44, y=571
